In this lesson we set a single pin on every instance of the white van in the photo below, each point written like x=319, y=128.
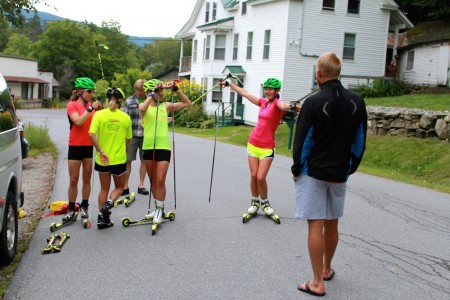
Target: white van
x=11, y=195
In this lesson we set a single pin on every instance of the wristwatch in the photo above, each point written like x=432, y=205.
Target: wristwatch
x=90, y=108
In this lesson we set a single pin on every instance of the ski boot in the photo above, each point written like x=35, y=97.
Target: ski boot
x=63, y=236
x=68, y=219
x=252, y=210
x=51, y=239
x=104, y=220
x=128, y=200
x=268, y=210
x=84, y=213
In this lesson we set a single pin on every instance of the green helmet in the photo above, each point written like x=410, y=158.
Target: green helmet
x=272, y=83
x=115, y=92
x=84, y=83
x=150, y=85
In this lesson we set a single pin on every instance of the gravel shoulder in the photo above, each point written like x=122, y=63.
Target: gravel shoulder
x=37, y=184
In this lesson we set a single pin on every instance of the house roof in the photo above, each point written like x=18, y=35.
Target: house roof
x=429, y=32
x=229, y=3
x=218, y=24
x=24, y=79
x=234, y=70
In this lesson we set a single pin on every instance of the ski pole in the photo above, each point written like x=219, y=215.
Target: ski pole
x=173, y=154
x=215, y=135
x=302, y=99
x=99, y=57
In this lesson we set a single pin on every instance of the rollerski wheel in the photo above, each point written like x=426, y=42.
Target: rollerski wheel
x=86, y=223
x=154, y=228
x=120, y=201
x=166, y=216
x=56, y=226
x=275, y=218
x=63, y=236
x=129, y=200
x=247, y=217
x=51, y=239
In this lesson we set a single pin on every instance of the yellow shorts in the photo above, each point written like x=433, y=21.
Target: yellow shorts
x=260, y=153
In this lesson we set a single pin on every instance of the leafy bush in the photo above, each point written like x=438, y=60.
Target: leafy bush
x=193, y=116
x=381, y=88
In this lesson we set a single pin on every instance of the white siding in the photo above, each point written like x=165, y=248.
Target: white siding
x=300, y=32
x=428, y=64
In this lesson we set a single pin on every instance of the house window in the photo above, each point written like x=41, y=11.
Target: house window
x=216, y=93
x=207, y=46
x=207, y=11
x=353, y=6
x=214, y=10
x=219, y=50
x=349, y=46
x=232, y=96
x=204, y=88
x=194, y=51
x=266, y=44
x=244, y=8
x=249, y=45
x=328, y=5
x=235, y=45
x=410, y=60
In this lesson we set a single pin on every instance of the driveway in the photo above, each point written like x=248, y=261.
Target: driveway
x=394, y=242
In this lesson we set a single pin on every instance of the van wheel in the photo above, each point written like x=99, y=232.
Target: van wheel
x=9, y=233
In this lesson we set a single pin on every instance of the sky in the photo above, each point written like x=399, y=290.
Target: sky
x=143, y=18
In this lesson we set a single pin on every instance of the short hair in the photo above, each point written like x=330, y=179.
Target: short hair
x=329, y=64
x=139, y=84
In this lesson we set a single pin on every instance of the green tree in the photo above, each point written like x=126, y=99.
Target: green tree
x=32, y=28
x=419, y=11
x=119, y=55
x=126, y=81
x=163, y=54
x=19, y=45
x=68, y=50
x=4, y=33
x=12, y=9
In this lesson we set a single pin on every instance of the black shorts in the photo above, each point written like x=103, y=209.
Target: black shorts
x=80, y=152
x=115, y=170
x=160, y=155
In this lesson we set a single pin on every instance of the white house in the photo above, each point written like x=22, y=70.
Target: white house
x=25, y=81
x=426, y=58
x=258, y=39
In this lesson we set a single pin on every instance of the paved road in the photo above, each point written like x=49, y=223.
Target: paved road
x=395, y=238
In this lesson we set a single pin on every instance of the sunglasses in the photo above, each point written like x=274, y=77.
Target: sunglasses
x=89, y=91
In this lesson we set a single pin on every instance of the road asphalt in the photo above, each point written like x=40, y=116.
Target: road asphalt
x=394, y=237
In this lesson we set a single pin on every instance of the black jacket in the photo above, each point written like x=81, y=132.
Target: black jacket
x=330, y=136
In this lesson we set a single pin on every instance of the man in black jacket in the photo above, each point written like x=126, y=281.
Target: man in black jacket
x=329, y=144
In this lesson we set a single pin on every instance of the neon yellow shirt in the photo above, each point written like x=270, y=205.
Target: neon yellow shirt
x=112, y=129
x=162, y=128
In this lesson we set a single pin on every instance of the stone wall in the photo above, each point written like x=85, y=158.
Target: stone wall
x=408, y=122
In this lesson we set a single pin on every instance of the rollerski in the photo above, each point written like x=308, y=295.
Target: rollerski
x=252, y=211
x=51, y=239
x=128, y=200
x=85, y=217
x=268, y=210
x=104, y=220
x=66, y=220
x=147, y=219
x=63, y=236
x=125, y=200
